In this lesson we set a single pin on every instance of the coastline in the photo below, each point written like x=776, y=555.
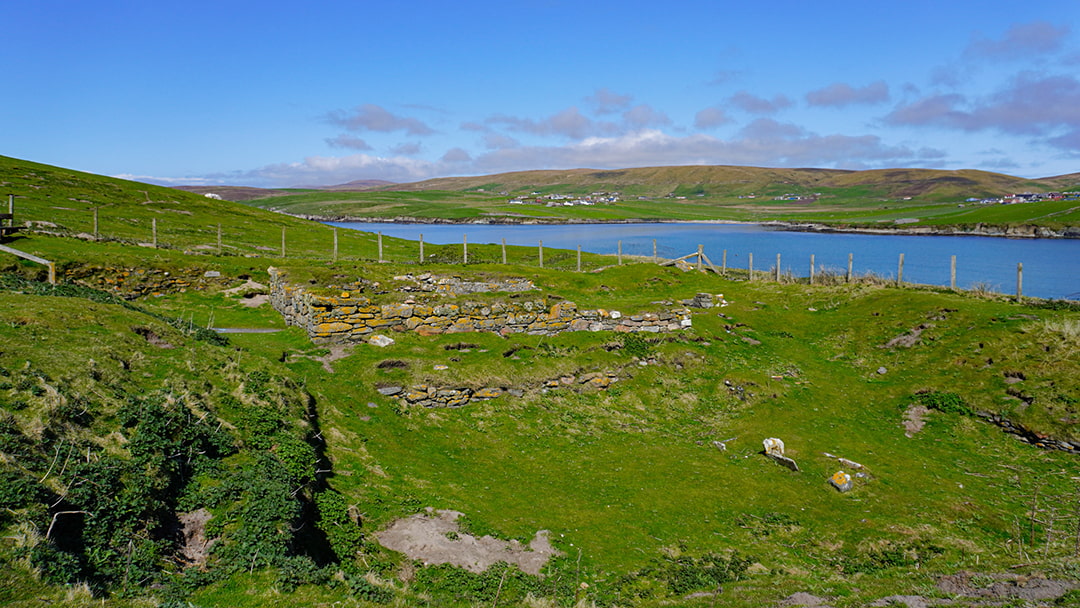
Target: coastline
x=1023, y=231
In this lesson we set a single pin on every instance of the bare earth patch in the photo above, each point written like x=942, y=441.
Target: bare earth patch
x=1014, y=586
x=435, y=538
x=915, y=419
x=803, y=598
x=249, y=285
x=909, y=339
x=337, y=351
x=255, y=301
x=194, y=547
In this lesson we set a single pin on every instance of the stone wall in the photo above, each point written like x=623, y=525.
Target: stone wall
x=350, y=317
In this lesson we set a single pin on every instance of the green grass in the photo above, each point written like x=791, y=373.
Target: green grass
x=626, y=479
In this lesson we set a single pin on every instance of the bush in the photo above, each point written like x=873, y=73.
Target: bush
x=949, y=403
x=636, y=345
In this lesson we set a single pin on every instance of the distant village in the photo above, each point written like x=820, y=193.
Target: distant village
x=1025, y=197
x=565, y=200
x=573, y=200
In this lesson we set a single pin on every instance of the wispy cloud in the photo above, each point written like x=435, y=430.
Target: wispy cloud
x=1019, y=41
x=753, y=104
x=570, y=123
x=608, y=102
x=348, y=141
x=641, y=116
x=370, y=117
x=1045, y=107
x=710, y=118
x=409, y=148
x=842, y=94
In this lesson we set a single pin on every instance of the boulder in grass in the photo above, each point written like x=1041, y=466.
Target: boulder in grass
x=380, y=340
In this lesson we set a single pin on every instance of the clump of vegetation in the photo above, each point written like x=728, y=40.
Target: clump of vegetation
x=949, y=403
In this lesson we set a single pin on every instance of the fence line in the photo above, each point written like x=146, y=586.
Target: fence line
x=702, y=260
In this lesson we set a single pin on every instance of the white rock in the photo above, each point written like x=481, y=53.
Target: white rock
x=380, y=340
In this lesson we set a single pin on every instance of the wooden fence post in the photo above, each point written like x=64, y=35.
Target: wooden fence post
x=1019, y=280
x=153, y=230
x=421, y=247
x=620, y=253
x=811, y=269
x=579, y=258
x=723, y=262
x=850, y=259
x=700, y=257
x=541, y=254
x=952, y=273
x=900, y=271
x=654, y=258
x=750, y=268
x=464, y=248
x=778, y=268
x=219, y=251
x=504, y=250
x=335, y=244
x=380, y=245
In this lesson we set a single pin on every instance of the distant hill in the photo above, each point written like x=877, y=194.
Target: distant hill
x=359, y=184
x=246, y=193
x=234, y=193
x=706, y=180
x=733, y=180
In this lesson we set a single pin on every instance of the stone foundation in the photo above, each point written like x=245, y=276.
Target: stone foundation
x=350, y=317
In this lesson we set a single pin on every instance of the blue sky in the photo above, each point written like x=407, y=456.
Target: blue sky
x=272, y=93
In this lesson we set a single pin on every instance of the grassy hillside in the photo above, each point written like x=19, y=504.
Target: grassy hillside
x=706, y=192
x=129, y=439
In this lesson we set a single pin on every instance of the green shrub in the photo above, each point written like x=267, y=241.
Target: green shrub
x=636, y=345
x=344, y=536
x=950, y=403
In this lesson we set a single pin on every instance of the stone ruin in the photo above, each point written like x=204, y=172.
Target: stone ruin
x=352, y=317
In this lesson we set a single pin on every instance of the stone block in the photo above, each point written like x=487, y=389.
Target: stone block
x=332, y=328
x=579, y=325
x=841, y=481
x=488, y=393
x=397, y=311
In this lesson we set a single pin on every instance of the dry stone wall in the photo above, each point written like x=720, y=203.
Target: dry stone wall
x=351, y=317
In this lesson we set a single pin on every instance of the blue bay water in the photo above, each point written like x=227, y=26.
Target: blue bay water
x=1051, y=266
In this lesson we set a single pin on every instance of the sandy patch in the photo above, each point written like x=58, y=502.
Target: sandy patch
x=915, y=419
x=435, y=538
